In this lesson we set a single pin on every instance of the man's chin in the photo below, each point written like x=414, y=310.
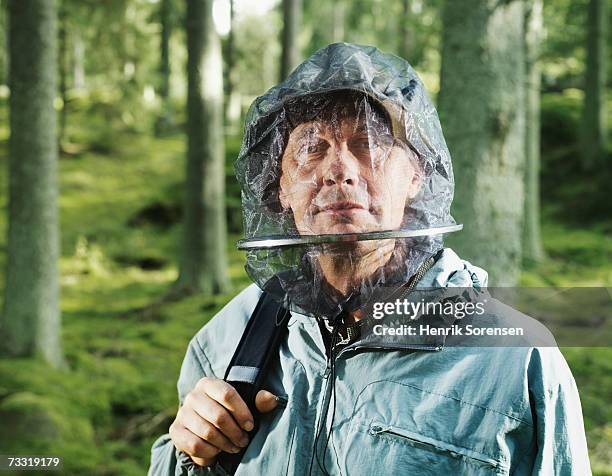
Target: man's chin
x=345, y=228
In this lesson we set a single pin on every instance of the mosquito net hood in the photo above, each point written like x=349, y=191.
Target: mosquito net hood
x=346, y=181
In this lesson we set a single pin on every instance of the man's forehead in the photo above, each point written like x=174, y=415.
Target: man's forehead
x=341, y=127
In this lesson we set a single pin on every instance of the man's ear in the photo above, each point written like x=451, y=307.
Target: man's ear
x=282, y=194
x=416, y=182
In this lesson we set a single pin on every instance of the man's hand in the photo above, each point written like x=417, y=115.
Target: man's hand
x=214, y=418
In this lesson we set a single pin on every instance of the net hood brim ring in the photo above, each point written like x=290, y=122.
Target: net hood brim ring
x=283, y=241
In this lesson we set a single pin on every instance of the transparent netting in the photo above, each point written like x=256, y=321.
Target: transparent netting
x=346, y=181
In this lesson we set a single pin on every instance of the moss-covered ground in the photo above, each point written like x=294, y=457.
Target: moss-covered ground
x=120, y=237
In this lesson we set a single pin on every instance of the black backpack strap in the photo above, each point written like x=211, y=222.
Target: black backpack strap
x=247, y=369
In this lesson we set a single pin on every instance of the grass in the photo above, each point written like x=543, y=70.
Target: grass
x=574, y=257
x=119, y=393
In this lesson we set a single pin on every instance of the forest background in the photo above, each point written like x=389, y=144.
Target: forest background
x=103, y=113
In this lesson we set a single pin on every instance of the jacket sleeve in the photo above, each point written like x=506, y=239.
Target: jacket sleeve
x=166, y=460
x=557, y=414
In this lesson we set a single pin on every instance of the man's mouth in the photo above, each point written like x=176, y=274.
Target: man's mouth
x=342, y=206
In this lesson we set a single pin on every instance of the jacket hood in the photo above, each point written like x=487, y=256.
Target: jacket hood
x=386, y=90
x=450, y=271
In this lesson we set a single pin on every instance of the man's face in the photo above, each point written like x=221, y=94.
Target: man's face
x=348, y=177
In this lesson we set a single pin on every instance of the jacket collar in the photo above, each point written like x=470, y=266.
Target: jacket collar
x=447, y=272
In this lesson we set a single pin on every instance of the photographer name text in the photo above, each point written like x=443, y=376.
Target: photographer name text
x=454, y=330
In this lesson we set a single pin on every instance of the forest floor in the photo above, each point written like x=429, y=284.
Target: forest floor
x=120, y=211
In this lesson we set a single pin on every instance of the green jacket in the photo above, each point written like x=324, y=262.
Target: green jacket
x=431, y=409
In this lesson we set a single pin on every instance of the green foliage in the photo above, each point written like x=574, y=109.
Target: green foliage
x=50, y=412
x=575, y=257
x=377, y=22
x=563, y=51
x=123, y=352
x=257, y=53
x=232, y=187
x=570, y=193
x=564, y=47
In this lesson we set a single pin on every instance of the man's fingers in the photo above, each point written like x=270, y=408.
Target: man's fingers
x=265, y=401
x=203, y=461
x=226, y=395
x=207, y=432
x=221, y=418
x=192, y=444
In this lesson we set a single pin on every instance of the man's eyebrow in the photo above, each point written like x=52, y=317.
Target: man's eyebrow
x=311, y=132
x=371, y=127
x=308, y=132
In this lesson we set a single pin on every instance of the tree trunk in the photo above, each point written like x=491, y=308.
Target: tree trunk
x=30, y=323
x=165, y=14
x=204, y=263
x=63, y=69
x=532, y=242
x=6, y=50
x=232, y=107
x=482, y=109
x=405, y=37
x=594, y=127
x=165, y=121
x=292, y=19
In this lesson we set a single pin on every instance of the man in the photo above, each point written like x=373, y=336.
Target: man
x=349, y=149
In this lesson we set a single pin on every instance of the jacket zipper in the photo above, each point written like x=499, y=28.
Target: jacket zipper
x=334, y=354
x=426, y=266
x=434, y=348
x=378, y=429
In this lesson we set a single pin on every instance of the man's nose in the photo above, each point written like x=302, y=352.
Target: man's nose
x=341, y=167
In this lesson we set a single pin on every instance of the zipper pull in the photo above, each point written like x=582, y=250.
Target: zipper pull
x=378, y=429
x=328, y=365
x=327, y=371
x=282, y=401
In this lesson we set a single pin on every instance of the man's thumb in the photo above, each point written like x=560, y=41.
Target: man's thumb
x=265, y=401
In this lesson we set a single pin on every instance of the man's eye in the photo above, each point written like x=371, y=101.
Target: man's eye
x=362, y=144
x=316, y=147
